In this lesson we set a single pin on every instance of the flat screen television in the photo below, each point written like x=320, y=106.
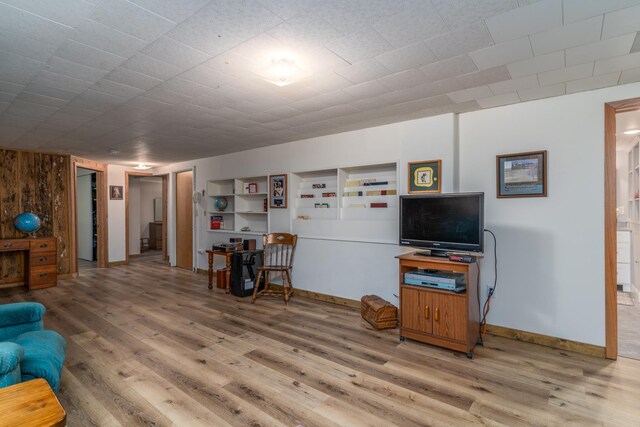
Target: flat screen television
x=443, y=222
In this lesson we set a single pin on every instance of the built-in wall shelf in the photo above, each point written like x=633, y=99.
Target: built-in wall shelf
x=246, y=205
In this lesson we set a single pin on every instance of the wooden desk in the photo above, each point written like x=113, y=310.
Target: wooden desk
x=30, y=404
x=40, y=265
x=227, y=256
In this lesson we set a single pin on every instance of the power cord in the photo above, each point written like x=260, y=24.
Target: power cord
x=487, y=305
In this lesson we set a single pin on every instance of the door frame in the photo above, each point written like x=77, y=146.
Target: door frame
x=610, y=237
x=175, y=216
x=127, y=175
x=101, y=206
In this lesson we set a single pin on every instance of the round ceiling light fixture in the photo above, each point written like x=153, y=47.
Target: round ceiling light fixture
x=142, y=167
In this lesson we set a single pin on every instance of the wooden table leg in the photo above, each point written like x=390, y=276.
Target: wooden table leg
x=228, y=287
x=210, y=269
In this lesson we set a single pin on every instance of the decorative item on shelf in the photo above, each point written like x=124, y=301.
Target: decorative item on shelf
x=522, y=174
x=245, y=228
x=264, y=208
x=424, y=176
x=319, y=185
x=221, y=203
x=307, y=196
x=235, y=240
x=216, y=222
x=379, y=205
x=381, y=192
x=328, y=194
x=278, y=191
x=304, y=217
x=28, y=223
x=322, y=205
x=250, y=187
x=636, y=195
x=115, y=192
x=353, y=193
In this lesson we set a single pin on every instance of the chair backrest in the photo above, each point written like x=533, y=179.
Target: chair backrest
x=279, y=249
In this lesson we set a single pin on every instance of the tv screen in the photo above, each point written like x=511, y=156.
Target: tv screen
x=445, y=222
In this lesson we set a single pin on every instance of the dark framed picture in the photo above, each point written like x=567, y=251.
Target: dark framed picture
x=522, y=174
x=115, y=192
x=278, y=191
x=424, y=176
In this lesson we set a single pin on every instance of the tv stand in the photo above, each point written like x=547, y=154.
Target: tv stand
x=440, y=253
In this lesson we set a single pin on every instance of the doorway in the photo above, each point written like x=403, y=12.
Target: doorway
x=184, y=219
x=86, y=202
x=145, y=201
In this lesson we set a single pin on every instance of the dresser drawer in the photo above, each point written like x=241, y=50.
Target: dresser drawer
x=43, y=245
x=42, y=277
x=42, y=258
x=14, y=245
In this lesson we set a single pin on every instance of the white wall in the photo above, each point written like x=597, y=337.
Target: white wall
x=116, y=215
x=150, y=189
x=550, y=250
x=85, y=218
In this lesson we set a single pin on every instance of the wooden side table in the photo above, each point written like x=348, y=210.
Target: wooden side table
x=30, y=404
x=227, y=256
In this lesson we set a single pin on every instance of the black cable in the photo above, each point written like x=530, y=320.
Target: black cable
x=487, y=307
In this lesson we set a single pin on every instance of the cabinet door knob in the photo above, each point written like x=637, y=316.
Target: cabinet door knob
x=426, y=312
x=8, y=245
x=44, y=245
x=436, y=315
x=43, y=258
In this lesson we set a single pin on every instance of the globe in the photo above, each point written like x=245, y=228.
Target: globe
x=28, y=223
x=221, y=203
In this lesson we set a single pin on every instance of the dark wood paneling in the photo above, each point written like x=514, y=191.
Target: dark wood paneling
x=35, y=182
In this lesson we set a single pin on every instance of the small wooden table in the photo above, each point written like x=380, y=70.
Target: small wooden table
x=227, y=256
x=31, y=403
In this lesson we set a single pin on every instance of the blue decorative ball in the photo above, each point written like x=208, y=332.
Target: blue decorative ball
x=27, y=222
x=221, y=203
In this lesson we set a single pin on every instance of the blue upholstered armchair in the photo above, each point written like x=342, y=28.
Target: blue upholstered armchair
x=26, y=350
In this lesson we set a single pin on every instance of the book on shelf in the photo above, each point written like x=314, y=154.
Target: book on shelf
x=322, y=205
x=329, y=194
x=307, y=196
x=381, y=192
x=353, y=193
x=319, y=185
x=216, y=222
x=367, y=184
x=378, y=205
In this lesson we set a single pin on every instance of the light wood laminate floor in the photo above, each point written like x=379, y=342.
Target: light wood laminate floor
x=150, y=345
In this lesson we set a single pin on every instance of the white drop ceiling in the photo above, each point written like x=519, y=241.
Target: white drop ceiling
x=169, y=80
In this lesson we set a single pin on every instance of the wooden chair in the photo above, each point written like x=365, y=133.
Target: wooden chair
x=278, y=257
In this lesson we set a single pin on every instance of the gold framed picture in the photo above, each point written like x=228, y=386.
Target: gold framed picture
x=424, y=176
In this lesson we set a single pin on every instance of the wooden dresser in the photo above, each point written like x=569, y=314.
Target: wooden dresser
x=41, y=270
x=155, y=235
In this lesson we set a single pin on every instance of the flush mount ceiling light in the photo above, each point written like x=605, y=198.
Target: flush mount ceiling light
x=632, y=132
x=282, y=72
x=142, y=167
x=114, y=152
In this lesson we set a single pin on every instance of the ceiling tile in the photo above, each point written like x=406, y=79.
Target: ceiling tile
x=630, y=76
x=577, y=10
x=596, y=82
x=131, y=19
x=58, y=81
x=565, y=74
x=105, y=38
x=504, y=53
x=18, y=69
x=287, y=9
x=419, y=21
x=185, y=87
x=66, y=12
x=524, y=21
x=19, y=22
x=49, y=91
x=20, y=44
x=222, y=25
x=73, y=69
x=484, y=77
x=621, y=22
x=451, y=67
x=618, y=63
x=462, y=13
x=366, y=90
x=411, y=56
x=425, y=90
x=364, y=71
x=542, y=92
x=42, y=100
x=12, y=88
x=603, y=49
x=305, y=31
x=116, y=89
x=6, y=97
x=404, y=79
x=149, y=66
x=537, y=64
x=509, y=86
x=567, y=36
x=89, y=56
x=497, y=101
x=355, y=47
x=175, y=11
x=19, y=121
x=461, y=41
x=204, y=75
x=29, y=109
x=132, y=78
x=176, y=53
x=327, y=82
x=475, y=93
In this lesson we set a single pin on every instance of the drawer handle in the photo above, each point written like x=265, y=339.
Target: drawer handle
x=436, y=315
x=43, y=258
x=8, y=245
x=426, y=312
x=43, y=274
x=44, y=245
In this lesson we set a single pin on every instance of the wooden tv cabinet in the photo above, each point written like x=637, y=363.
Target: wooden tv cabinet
x=439, y=317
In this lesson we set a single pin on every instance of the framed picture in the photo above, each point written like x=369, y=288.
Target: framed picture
x=278, y=191
x=424, y=176
x=250, y=187
x=115, y=192
x=522, y=174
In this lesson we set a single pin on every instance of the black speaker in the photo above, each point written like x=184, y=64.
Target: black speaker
x=243, y=274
